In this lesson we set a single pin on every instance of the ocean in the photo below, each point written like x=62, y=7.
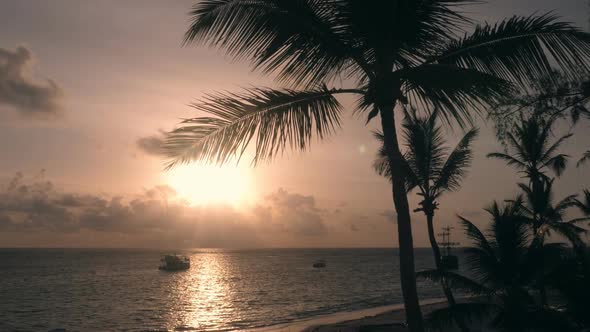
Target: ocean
x=122, y=289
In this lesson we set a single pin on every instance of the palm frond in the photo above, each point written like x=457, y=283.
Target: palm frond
x=509, y=159
x=400, y=30
x=557, y=163
x=522, y=139
x=510, y=235
x=455, y=168
x=430, y=86
x=529, y=150
x=578, y=220
x=425, y=149
x=277, y=119
x=303, y=41
x=516, y=49
x=570, y=231
x=553, y=148
x=480, y=257
x=584, y=158
x=381, y=165
x=584, y=206
x=566, y=203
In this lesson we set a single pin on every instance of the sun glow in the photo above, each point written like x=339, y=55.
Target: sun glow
x=201, y=184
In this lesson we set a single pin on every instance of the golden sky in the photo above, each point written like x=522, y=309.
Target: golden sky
x=109, y=74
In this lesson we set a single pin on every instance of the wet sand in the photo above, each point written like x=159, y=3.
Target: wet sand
x=390, y=320
x=386, y=318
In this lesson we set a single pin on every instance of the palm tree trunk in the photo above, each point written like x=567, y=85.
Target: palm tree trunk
x=404, y=227
x=439, y=267
x=542, y=288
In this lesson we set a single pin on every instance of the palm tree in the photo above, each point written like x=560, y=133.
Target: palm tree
x=502, y=267
x=531, y=152
x=390, y=52
x=431, y=170
x=545, y=216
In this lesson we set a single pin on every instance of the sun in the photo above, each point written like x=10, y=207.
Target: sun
x=203, y=184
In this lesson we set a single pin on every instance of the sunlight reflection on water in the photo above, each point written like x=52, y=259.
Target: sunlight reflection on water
x=202, y=296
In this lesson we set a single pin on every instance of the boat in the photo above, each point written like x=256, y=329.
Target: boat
x=448, y=260
x=174, y=263
x=319, y=264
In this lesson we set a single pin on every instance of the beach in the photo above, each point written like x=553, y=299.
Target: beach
x=384, y=318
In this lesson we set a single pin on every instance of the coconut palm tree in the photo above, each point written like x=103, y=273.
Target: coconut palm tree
x=386, y=52
x=546, y=216
x=503, y=268
x=531, y=152
x=432, y=170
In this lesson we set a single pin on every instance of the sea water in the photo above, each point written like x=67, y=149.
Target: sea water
x=122, y=289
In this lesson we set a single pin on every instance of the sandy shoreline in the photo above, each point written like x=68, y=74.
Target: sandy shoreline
x=389, y=317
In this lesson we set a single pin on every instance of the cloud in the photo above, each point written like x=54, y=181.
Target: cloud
x=293, y=213
x=158, y=216
x=30, y=207
x=18, y=90
x=151, y=145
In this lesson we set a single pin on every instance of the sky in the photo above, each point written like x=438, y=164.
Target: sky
x=85, y=86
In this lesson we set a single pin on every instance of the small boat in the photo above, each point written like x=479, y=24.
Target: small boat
x=319, y=264
x=174, y=263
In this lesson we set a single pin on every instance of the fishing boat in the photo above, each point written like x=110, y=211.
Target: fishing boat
x=448, y=260
x=174, y=263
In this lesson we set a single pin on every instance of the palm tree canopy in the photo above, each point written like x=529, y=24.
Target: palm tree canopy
x=409, y=47
x=498, y=260
x=541, y=210
x=430, y=165
x=529, y=149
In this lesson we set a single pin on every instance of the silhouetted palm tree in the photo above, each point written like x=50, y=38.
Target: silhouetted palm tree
x=431, y=170
x=392, y=52
x=531, y=152
x=503, y=270
x=546, y=216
